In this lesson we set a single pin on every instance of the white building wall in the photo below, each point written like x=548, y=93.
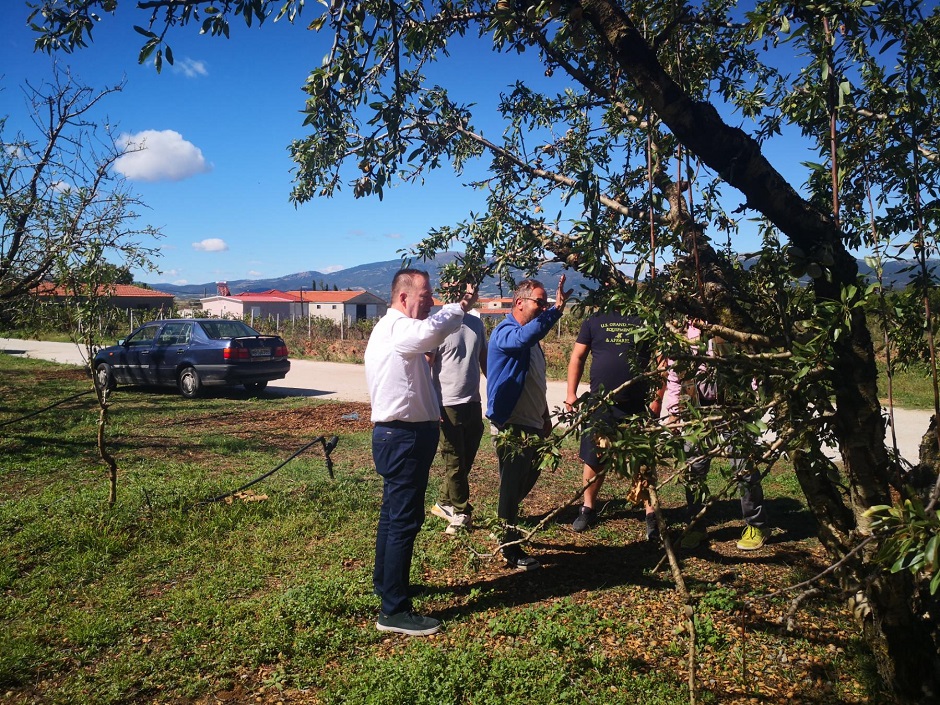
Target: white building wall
x=222, y=308
x=332, y=311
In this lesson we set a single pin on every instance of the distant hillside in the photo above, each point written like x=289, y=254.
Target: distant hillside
x=377, y=278
x=898, y=274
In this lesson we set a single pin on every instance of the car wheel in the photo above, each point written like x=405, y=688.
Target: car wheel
x=255, y=387
x=104, y=377
x=189, y=383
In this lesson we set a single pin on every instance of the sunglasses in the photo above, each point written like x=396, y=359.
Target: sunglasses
x=541, y=303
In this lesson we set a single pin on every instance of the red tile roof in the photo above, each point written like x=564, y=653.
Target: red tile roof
x=329, y=297
x=124, y=290
x=269, y=295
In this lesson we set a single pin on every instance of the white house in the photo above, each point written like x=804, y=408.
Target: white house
x=265, y=304
x=346, y=306
x=338, y=306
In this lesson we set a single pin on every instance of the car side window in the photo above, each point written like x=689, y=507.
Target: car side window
x=175, y=334
x=144, y=337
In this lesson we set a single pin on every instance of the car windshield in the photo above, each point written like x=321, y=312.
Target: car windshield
x=222, y=330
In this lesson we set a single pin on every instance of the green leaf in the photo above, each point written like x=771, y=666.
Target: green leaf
x=930, y=553
x=146, y=51
x=146, y=32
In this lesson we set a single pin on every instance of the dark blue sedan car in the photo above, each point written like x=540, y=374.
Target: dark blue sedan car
x=193, y=353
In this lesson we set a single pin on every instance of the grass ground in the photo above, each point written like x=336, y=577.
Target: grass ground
x=911, y=387
x=269, y=598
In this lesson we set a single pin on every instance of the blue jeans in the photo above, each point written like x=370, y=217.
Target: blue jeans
x=749, y=488
x=402, y=453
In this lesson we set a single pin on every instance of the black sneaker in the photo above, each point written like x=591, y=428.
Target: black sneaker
x=520, y=560
x=586, y=518
x=410, y=623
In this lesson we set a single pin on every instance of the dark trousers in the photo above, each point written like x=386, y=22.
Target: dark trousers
x=403, y=454
x=749, y=487
x=517, y=475
x=461, y=433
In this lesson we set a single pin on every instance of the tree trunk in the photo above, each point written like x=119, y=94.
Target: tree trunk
x=103, y=450
x=903, y=646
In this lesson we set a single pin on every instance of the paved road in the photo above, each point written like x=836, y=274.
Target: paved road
x=346, y=382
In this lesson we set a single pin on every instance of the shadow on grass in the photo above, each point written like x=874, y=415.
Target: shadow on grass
x=566, y=569
x=569, y=568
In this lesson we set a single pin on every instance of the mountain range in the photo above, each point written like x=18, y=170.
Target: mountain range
x=376, y=277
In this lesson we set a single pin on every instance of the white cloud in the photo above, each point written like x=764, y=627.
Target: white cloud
x=159, y=156
x=190, y=68
x=393, y=236
x=180, y=282
x=61, y=186
x=332, y=268
x=254, y=273
x=211, y=244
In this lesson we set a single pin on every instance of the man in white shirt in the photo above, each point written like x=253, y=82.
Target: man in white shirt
x=406, y=414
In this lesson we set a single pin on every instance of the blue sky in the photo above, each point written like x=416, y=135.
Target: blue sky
x=216, y=173
x=222, y=118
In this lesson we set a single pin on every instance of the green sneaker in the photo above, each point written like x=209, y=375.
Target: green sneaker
x=752, y=538
x=693, y=539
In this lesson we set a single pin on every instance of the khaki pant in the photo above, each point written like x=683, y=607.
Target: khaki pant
x=461, y=433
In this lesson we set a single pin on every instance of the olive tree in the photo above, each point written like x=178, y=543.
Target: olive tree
x=645, y=137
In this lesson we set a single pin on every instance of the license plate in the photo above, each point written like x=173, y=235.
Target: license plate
x=260, y=352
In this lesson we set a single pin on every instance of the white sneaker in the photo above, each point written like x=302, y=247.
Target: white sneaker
x=460, y=522
x=444, y=511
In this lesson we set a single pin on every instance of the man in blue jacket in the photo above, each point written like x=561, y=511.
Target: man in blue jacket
x=516, y=401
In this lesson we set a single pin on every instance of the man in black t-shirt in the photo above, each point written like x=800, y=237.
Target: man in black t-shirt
x=608, y=339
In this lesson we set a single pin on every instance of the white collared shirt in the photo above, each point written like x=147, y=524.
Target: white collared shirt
x=397, y=372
